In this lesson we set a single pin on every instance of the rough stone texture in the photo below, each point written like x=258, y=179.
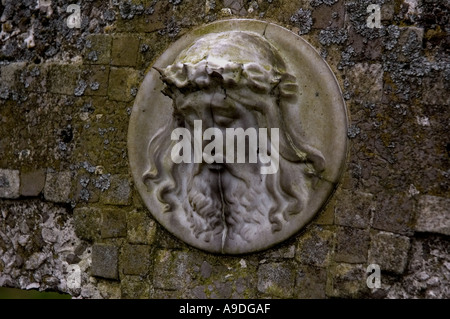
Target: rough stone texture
x=389, y=251
x=346, y=281
x=58, y=187
x=105, y=259
x=32, y=183
x=433, y=215
x=124, y=50
x=351, y=245
x=97, y=49
x=114, y=223
x=41, y=251
x=133, y=287
x=135, y=259
x=141, y=229
x=87, y=223
x=367, y=82
x=428, y=272
x=310, y=283
x=395, y=215
x=170, y=270
x=121, y=83
x=9, y=183
x=316, y=247
x=276, y=279
x=356, y=210
x=119, y=193
x=396, y=180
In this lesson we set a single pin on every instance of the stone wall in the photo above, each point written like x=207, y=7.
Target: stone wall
x=71, y=220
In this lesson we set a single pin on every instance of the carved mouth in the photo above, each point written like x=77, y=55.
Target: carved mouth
x=216, y=167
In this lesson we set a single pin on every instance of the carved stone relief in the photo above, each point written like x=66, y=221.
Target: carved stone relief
x=238, y=136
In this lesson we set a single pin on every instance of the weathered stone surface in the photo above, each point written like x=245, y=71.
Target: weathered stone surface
x=41, y=250
x=171, y=270
x=315, y=248
x=346, y=281
x=428, y=273
x=114, y=223
x=366, y=82
x=119, y=193
x=141, y=229
x=283, y=252
x=58, y=186
x=63, y=78
x=9, y=183
x=105, y=259
x=97, y=49
x=124, y=50
x=395, y=214
x=329, y=16
x=135, y=259
x=87, y=222
x=432, y=95
x=389, y=251
x=32, y=183
x=133, y=287
x=433, y=215
x=310, y=282
x=351, y=245
x=354, y=209
x=276, y=279
x=121, y=83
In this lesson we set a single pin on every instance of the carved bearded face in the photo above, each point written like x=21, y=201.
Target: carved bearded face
x=228, y=204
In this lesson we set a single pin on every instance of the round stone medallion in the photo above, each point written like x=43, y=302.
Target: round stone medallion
x=237, y=137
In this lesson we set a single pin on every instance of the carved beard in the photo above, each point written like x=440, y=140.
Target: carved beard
x=232, y=203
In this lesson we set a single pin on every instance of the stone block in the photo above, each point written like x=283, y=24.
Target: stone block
x=276, y=279
x=171, y=270
x=114, y=223
x=97, y=49
x=354, y=209
x=433, y=215
x=367, y=49
x=58, y=187
x=310, y=282
x=366, y=82
x=94, y=81
x=133, y=287
x=432, y=94
x=125, y=50
x=315, y=247
x=119, y=193
x=32, y=183
x=105, y=260
x=389, y=251
x=9, y=183
x=121, y=83
x=9, y=75
x=34, y=78
x=87, y=221
x=352, y=245
x=63, y=78
x=135, y=259
x=346, y=281
x=394, y=214
x=141, y=229
x=329, y=16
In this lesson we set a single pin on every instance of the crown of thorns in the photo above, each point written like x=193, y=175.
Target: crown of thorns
x=215, y=72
